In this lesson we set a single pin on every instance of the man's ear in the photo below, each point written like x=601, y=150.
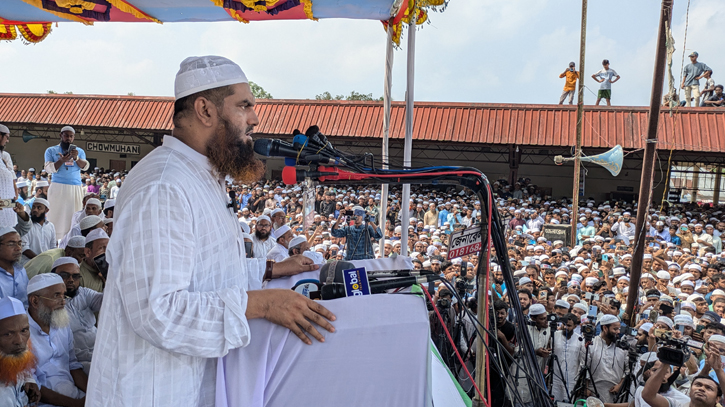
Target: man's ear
x=205, y=111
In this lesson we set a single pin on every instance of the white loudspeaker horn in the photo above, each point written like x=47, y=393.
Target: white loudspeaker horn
x=611, y=160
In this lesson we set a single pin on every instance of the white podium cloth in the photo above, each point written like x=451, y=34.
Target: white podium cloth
x=378, y=356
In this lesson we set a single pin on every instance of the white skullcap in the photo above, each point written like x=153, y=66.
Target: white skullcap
x=685, y=320
x=563, y=304
x=197, y=74
x=21, y=184
x=581, y=306
x=41, y=281
x=524, y=280
x=318, y=258
x=106, y=221
x=7, y=229
x=694, y=297
x=42, y=201
x=717, y=292
x=264, y=217
x=590, y=281
x=68, y=128
x=717, y=338
x=282, y=230
x=96, y=234
x=627, y=256
x=663, y=275
x=64, y=260
x=687, y=283
x=41, y=184
x=648, y=356
x=76, y=242
x=276, y=211
x=619, y=271
x=561, y=273
x=10, y=307
x=110, y=203
x=608, y=319
x=4, y=129
x=94, y=201
x=647, y=275
x=296, y=241
x=89, y=222
x=647, y=256
x=245, y=227
x=688, y=304
x=537, y=309
x=666, y=320
x=646, y=326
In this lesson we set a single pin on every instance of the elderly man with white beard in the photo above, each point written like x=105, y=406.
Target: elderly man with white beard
x=59, y=374
x=17, y=386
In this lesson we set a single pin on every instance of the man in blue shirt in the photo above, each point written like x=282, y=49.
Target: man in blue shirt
x=693, y=72
x=358, y=237
x=65, y=161
x=13, y=277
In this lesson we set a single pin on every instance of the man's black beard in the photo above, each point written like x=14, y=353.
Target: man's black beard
x=525, y=308
x=42, y=195
x=261, y=235
x=232, y=156
x=23, y=194
x=37, y=219
x=71, y=294
x=499, y=281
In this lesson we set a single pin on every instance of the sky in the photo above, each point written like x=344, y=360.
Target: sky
x=487, y=51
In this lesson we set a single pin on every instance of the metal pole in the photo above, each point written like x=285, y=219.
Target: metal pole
x=579, y=122
x=408, y=150
x=650, y=148
x=387, y=106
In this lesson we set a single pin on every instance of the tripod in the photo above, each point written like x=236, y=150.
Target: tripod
x=580, y=387
x=624, y=393
x=554, y=360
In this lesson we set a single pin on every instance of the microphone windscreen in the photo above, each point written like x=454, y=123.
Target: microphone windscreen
x=262, y=146
x=288, y=161
x=335, y=268
x=300, y=139
x=289, y=175
x=312, y=131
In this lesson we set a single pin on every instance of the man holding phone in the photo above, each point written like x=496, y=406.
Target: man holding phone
x=65, y=161
x=358, y=237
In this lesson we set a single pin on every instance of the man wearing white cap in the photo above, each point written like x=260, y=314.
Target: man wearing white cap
x=277, y=217
x=567, y=346
x=262, y=239
x=299, y=245
x=624, y=228
x=41, y=236
x=92, y=208
x=280, y=251
x=65, y=161
x=539, y=333
x=60, y=375
x=43, y=262
x=13, y=278
x=94, y=263
x=82, y=304
x=180, y=292
x=8, y=178
x=606, y=361
x=17, y=385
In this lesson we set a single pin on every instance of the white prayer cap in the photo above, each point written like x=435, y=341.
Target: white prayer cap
x=619, y=271
x=688, y=304
x=608, y=319
x=590, y=281
x=717, y=338
x=562, y=303
x=110, y=203
x=96, y=234
x=694, y=297
x=717, y=292
x=666, y=320
x=76, y=242
x=561, y=273
x=41, y=281
x=687, y=283
x=524, y=280
x=648, y=356
x=581, y=306
x=685, y=320
x=94, y=201
x=245, y=227
x=276, y=211
x=264, y=217
x=663, y=275
x=646, y=326
x=537, y=309
x=106, y=221
x=21, y=184
x=4, y=129
x=42, y=201
x=627, y=256
x=10, y=307
x=296, y=241
x=197, y=74
x=68, y=128
x=7, y=229
x=282, y=230
x=41, y=184
x=647, y=256
x=89, y=222
x=64, y=260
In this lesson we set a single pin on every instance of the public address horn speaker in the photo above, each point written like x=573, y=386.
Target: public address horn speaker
x=28, y=136
x=611, y=160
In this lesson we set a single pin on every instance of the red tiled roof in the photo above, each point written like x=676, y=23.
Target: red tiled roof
x=698, y=129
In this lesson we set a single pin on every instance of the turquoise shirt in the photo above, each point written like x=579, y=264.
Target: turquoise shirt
x=69, y=173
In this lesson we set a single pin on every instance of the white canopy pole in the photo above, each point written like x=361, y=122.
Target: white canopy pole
x=387, y=106
x=408, y=150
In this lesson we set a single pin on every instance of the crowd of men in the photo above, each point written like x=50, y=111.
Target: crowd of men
x=52, y=279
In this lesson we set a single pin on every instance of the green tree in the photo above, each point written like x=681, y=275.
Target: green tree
x=259, y=91
x=52, y=92
x=327, y=96
x=353, y=96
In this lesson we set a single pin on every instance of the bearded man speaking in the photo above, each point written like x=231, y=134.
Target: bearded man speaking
x=17, y=386
x=180, y=290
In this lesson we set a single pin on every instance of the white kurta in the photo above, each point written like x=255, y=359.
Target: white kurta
x=260, y=248
x=607, y=365
x=14, y=395
x=82, y=309
x=40, y=238
x=567, y=353
x=175, y=299
x=540, y=339
x=7, y=190
x=278, y=253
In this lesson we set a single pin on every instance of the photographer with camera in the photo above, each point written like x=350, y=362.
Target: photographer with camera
x=659, y=374
x=539, y=333
x=444, y=303
x=607, y=363
x=567, y=346
x=359, y=237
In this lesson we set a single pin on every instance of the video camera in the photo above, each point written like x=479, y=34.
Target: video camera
x=674, y=352
x=588, y=332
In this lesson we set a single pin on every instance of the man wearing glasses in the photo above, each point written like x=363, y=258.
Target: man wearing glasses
x=81, y=303
x=59, y=374
x=13, y=278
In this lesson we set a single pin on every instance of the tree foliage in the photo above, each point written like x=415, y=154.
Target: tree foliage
x=259, y=91
x=353, y=96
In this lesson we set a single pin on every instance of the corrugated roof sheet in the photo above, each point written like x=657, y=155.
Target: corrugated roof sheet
x=695, y=129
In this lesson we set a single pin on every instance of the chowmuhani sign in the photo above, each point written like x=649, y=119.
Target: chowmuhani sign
x=113, y=148
x=465, y=242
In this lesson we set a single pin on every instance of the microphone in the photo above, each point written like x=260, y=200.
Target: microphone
x=323, y=174
x=310, y=288
x=337, y=290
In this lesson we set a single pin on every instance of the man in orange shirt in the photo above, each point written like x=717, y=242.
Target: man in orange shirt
x=570, y=87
